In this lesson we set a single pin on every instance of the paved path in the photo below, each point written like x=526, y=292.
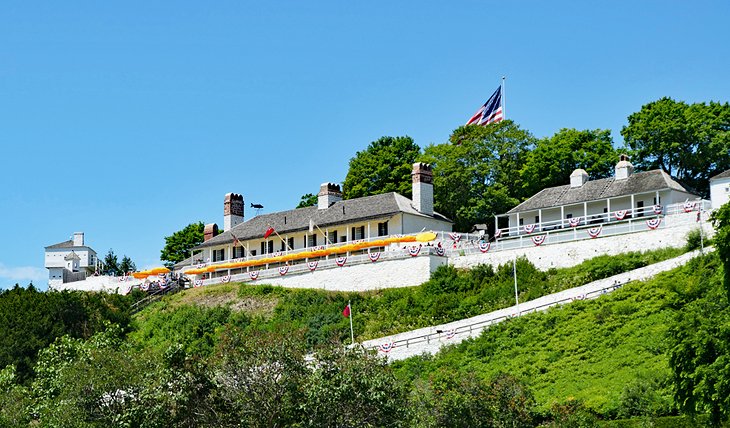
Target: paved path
x=429, y=340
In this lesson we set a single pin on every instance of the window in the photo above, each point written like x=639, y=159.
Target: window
x=263, y=247
x=358, y=232
x=570, y=215
x=333, y=237
x=537, y=219
x=271, y=247
x=290, y=241
x=313, y=240
x=640, y=206
x=343, y=238
x=253, y=252
x=522, y=221
x=283, y=246
x=383, y=229
x=605, y=210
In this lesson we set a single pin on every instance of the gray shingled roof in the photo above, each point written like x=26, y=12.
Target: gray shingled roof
x=297, y=220
x=639, y=182
x=64, y=244
x=725, y=174
x=189, y=261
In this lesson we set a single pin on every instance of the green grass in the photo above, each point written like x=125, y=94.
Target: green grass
x=604, y=352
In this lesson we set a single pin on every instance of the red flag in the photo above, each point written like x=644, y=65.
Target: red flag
x=269, y=231
x=346, y=311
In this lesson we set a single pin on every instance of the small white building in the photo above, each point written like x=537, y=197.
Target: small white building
x=720, y=189
x=582, y=202
x=67, y=261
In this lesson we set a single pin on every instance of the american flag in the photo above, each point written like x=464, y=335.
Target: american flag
x=490, y=112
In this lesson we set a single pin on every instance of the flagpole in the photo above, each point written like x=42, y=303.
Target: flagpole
x=504, y=109
x=352, y=332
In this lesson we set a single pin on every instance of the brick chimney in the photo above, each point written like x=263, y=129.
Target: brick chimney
x=422, y=188
x=232, y=210
x=78, y=239
x=210, y=231
x=329, y=193
x=624, y=168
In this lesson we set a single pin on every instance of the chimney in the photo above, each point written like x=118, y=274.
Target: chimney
x=232, y=210
x=624, y=168
x=329, y=193
x=78, y=239
x=422, y=188
x=210, y=231
x=578, y=178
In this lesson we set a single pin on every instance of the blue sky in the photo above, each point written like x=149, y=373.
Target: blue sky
x=129, y=120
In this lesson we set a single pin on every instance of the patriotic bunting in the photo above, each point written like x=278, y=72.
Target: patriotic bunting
x=456, y=237
x=225, y=279
x=341, y=261
x=386, y=347
x=529, y=228
x=498, y=233
x=312, y=265
x=538, y=240
x=414, y=250
x=653, y=223
x=451, y=333
x=595, y=231
x=658, y=209
x=574, y=222
x=620, y=214
x=689, y=206
x=198, y=283
x=374, y=256
x=484, y=246
x=145, y=286
x=440, y=251
x=254, y=275
x=283, y=270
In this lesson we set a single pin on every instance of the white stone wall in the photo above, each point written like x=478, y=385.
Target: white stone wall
x=108, y=284
x=572, y=253
x=363, y=277
x=415, y=224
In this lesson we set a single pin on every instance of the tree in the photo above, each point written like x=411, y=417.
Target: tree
x=308, y=200
x=385, y=166
x=478, y=174
x=111, y=265
x=688, y=141
x=178, y=245
x=127, y=265
x=553, y=159
x=721, y=221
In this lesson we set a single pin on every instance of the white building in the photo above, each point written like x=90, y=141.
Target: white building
x=720, y=189
x=67, y=261
x=625, y=195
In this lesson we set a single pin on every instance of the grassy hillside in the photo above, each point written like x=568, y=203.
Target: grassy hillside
x=194, y=317
x=611, y=354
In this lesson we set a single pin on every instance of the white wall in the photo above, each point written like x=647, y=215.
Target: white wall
x=414, y=224
x=720, y=192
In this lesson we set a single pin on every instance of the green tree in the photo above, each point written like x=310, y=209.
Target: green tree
x=385, y=166
x=308, y=200
x=178, y=245
x=478, y=174
x=721, y=221
x=111, y=264
x=688, y=141
x=127, y=265
x=553, y=159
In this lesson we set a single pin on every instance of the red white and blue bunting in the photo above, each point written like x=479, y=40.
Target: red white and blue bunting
x=123, y=278
x=225, y=279
x=497, y=233
x=620, y=214
x=440, y=251
x=198, y=283
x=312, y=265
x=579, y=297
x=456, y=237
x=689, y=206
x=278, y=254
x=145, y=286
x=341, y=261
x=374, y=256
x=283, y=270
x=484, y=246
x=593, y=232
x=386, y=347
x=574, y=221
x=658, y=209
x=254, y=275
x=654, y=223
x=538, y=240
x=451, y=333
x=529, y=228
x=414, y=250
